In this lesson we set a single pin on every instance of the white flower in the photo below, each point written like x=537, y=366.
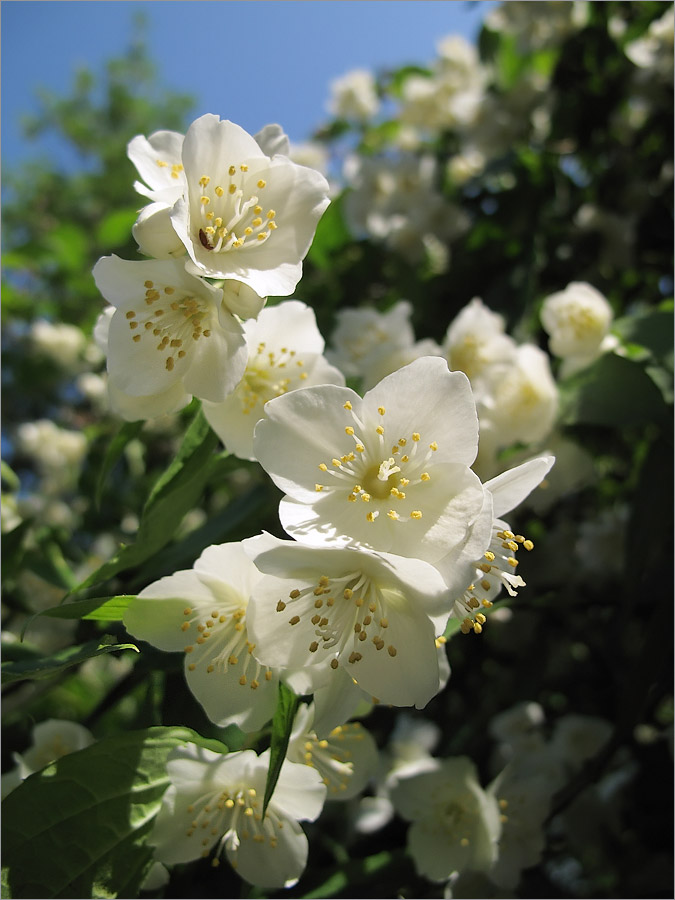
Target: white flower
x=364, y=333
x=476, y=340
x=204, y=613
x=524, y=802
x=456, y=823
x=354, y=96
x=576, y=320
x=388, y=471
x=63, y=344
x=243, y=215
x=497, y=566
x=518, y=399
x=345, y=759
x=154, y=233
x=216, y=800
x=172, y=332
x=576, y=738
x=374, y=614
x=52, y=739
x=285, y=351
x=158, y=162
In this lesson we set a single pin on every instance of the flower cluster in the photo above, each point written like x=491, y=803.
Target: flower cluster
x=230, y=220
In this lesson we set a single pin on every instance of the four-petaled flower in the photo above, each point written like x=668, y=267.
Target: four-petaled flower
x=244, y=215
x=215, y=800
x=203, y=613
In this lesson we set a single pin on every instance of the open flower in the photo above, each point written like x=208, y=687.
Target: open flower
x=172, y=332
x=245, y=215
x=345, y=759
x=216, y=800
x=374, y=614
x=285, y=351
x=456, y=824
x=203, y=612
x=388, y=471
x=158, y=162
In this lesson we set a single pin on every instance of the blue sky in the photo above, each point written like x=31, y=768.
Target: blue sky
x=251, y=61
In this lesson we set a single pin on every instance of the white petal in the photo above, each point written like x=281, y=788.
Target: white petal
x=157, y=614
x=273, y=140
x=154, y=234
x=300, y=432
x=217, y=365
x=151, y=406
x=426, y=397
x=513, y=486
x=268, y=866
x=299, y=792
x=410, y=678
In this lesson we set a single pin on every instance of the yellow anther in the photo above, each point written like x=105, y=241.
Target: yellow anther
x=477, y=627
x=433, y=446
x=281, y=606
x=393, y=514
x=294, y=594
x=185, y=626
x=416, y=514
x=489, y=555
x=242, y=680
x=318, y=487
x=347, y=405
x=271, y=213
x=379, y=429
x=359, y=448
x=371, y=517
x=294, y=620
x=464, y=842
x=381, y=410
x=231, y=171
x=262, y=183
x=425, y=476
x=528, y=545
x=365, y=497
x=415, y=435
x=349, y=430
x=204, y=201
x=402, y=442
x=323, y=467
x=481, y=618
x=512, y=561
x=391, y=650
x=336, y=462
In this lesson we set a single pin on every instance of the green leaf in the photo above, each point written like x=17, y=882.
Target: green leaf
x=614, y=392
x=282, y=725
x=9, y=476
x=331, y=235
x=12, y=547
x=176, y=491
x=126, y=433
x=86, y=817
x=652, y=330
x=47, y=666
x=100, y=609
x=69, y=244
x=115, y=229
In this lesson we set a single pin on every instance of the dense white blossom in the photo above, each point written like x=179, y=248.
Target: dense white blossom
x=285, y=352
x=215, y=800
x=203, y=612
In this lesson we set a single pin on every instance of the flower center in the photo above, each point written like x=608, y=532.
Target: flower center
x=172, y=319
x=234, y=810
x=496, y=569
x=390, y=478
x=269, y=374
x=229, y=646
x=231, y=217
x=345, y=611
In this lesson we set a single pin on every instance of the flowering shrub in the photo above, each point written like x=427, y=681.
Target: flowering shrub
x=348, y=485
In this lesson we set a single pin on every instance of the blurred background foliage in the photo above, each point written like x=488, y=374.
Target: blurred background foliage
x=588, y=198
